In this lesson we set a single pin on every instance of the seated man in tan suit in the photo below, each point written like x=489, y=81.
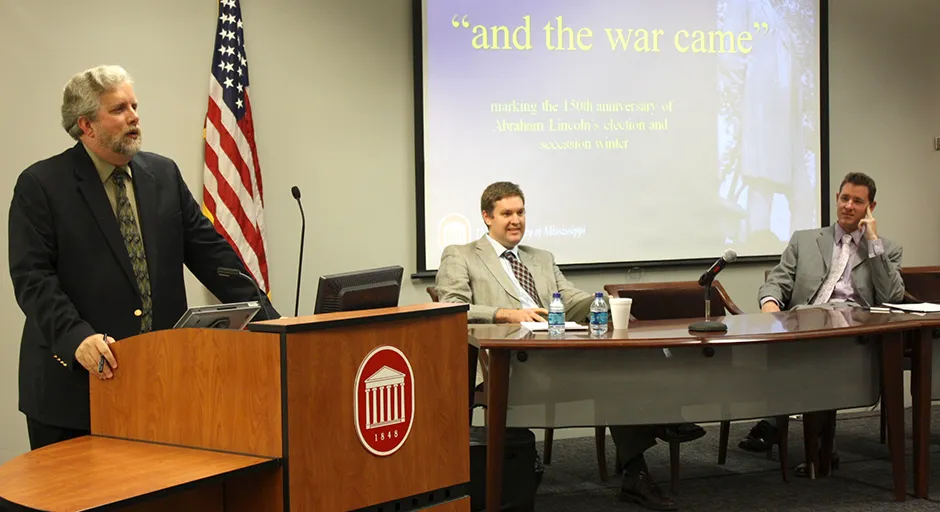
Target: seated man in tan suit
x=505, y=282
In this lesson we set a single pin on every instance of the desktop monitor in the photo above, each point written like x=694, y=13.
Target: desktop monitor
x=362, y=289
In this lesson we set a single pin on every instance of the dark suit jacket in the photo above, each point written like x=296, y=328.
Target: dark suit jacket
x=72, y=275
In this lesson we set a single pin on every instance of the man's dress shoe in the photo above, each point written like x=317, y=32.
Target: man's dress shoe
x=682, y=432
x=801, y=470
x=761, y=438
x=642, y=490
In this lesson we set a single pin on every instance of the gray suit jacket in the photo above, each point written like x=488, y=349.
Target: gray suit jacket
x=804, y=266
x=472, y=274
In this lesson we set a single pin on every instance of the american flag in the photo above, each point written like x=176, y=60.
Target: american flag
x=232, y=191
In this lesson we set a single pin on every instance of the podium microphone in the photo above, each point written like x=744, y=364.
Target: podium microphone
x=706, y=282
x=233, y=272
x=295, y=191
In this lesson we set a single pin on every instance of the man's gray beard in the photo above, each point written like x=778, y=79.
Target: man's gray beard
x=121, y=144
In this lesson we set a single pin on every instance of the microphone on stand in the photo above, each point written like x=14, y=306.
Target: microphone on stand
x=295, y=191
x=728, y=257
x=706, y=282
x=233, y=272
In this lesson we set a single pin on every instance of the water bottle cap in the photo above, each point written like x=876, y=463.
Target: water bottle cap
x=599, y=295
x=556, y=295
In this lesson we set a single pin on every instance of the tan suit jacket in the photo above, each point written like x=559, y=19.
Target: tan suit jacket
x=472, y=274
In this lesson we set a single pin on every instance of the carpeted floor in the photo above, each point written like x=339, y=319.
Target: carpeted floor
x=747, y=481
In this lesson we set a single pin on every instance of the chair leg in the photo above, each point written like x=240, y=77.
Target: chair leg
x=600, y=438
x=884, y=425
x=881, y=407
x=811, y=432
x=674, y=465
x=783, y=431
x=723, y=441
x=547, y=456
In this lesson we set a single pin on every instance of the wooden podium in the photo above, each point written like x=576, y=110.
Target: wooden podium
x=344, y=411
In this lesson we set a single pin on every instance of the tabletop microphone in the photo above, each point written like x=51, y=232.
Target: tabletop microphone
x=728, y=257
x=705, y=282
x=234, y=272
x=295, y=191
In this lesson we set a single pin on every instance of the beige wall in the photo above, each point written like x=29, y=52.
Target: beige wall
x=332, y=97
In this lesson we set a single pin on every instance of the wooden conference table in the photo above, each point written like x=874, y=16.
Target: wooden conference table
x=658, y=372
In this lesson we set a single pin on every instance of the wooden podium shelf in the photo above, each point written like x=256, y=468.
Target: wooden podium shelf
x=79, y=474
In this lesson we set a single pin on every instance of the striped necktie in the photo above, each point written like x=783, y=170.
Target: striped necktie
x=523, y=275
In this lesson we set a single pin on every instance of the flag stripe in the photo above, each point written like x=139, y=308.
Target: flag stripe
x=225, y=222
x=209, y=203
x=244, y=144
x=248, y=128
x=230, y=210
x=236, y=170
x=228, y=145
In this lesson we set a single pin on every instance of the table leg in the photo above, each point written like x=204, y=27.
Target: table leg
x=922, y=346
x=827, y=435
x=892, y=360
x=497, y=400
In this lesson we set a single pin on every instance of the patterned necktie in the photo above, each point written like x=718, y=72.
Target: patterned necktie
x=135, y=246
x=835, y=273
x=523, y=275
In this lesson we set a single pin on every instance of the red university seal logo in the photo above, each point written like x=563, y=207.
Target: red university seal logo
x=384, y=400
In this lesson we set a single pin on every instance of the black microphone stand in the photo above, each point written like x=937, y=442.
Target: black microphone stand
x=300, y=261
x=708, y=325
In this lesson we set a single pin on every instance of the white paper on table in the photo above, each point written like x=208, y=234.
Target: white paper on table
x=923, y=307
x=543, y=326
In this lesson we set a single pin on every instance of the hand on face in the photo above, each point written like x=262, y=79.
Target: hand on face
x=869, y=224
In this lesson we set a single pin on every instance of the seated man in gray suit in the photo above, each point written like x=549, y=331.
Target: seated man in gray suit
x=846, y=263
x=505, y=282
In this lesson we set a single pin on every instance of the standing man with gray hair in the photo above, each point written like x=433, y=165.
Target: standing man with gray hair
x=98, y=236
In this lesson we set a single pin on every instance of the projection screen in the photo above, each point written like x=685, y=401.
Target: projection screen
x=641, y=131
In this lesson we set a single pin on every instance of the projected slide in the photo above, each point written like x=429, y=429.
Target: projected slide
x=639, y=130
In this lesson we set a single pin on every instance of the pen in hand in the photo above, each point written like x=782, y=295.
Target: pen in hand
x=101, y=359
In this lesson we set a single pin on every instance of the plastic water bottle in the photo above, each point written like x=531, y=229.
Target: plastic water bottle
x=599, y=314
x=556, y=316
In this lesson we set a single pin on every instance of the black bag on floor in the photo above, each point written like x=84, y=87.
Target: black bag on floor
x=522, y=470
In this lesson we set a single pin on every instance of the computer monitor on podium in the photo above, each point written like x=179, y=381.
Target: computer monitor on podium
x=363, y=289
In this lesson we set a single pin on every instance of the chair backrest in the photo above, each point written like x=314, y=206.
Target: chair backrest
x=922, y=284
x=432, y=291
x=677, y=299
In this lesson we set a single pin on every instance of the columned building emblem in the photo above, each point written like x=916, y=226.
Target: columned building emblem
x=384, y=400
